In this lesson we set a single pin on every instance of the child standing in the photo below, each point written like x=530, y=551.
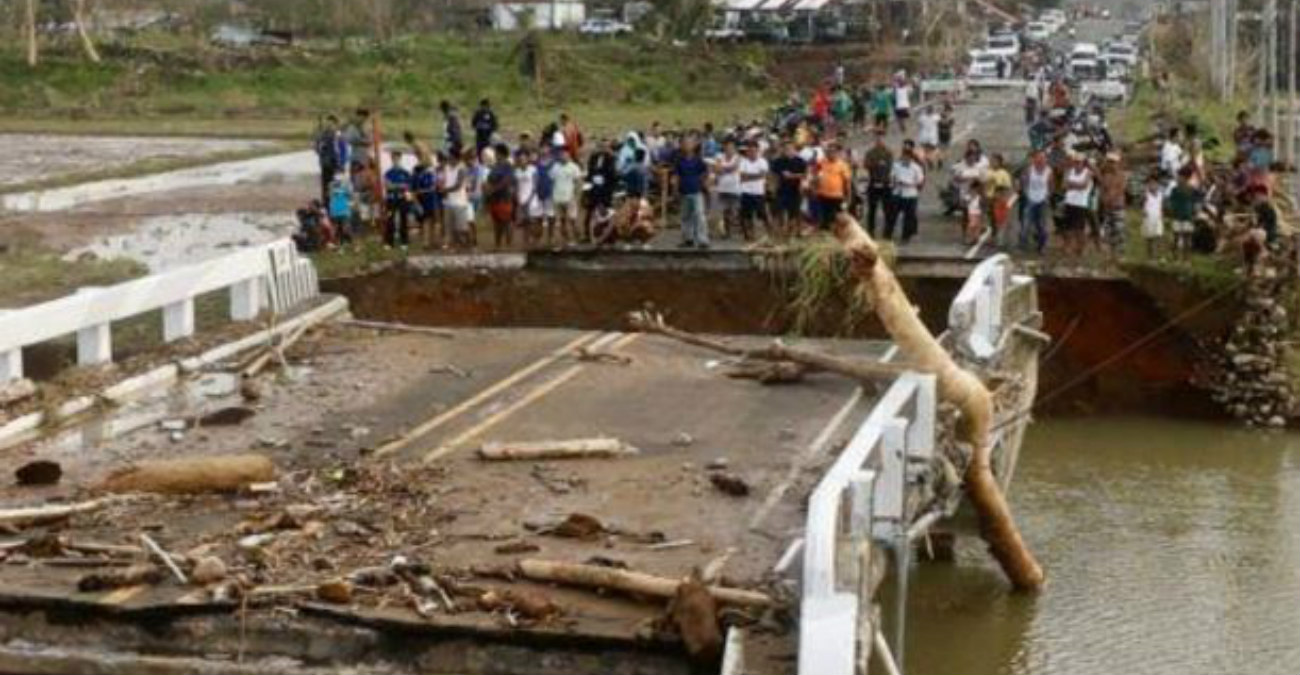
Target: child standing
x=974, y=212
x=1184, y=205
x=1153, y=217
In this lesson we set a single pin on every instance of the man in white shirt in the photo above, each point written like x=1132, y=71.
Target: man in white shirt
x=1037, y=182
x=454, y=183
x=1078, y=198
x=902, y=102
x=528, y=213
x=907, y=177
x=1171, y=154
x=726, y=174
x=566, y=186
x=753, y=191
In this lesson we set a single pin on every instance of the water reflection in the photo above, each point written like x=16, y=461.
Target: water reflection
x=1171, y=547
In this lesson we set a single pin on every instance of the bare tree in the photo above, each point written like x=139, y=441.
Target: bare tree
x=79, y=20
x=29, y=24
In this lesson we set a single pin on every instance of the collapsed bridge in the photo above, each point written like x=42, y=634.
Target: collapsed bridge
x=420, y=515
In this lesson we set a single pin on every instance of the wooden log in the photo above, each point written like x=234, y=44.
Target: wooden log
x=37, y=515
x=957, y=386
x=580, y=448
x=626, y=581
x=223, y=473
x=399, y=328
x=867, y=371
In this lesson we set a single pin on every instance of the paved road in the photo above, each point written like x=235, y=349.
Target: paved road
x=994, y=117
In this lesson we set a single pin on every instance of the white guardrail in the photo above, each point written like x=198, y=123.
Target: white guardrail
x=271, y=275
x=862, y=498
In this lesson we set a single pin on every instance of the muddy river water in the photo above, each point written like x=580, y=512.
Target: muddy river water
x=1171, y=547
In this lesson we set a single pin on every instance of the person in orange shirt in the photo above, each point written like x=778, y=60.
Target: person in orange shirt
x=833, y=181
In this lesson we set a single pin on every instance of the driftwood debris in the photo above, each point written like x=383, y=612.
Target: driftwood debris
x=131, y=576
x=166, y=558
x=626, y=581
x=581, y=448
x=860, y=369
x=956, y=385
x=694, y=613
x=399, y=328
x=38, y=515
x=223, y=473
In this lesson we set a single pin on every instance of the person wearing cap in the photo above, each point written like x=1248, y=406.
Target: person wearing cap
x=1112, y=184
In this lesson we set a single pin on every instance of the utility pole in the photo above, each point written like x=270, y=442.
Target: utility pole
x=1291, y=76
x=1270, y=22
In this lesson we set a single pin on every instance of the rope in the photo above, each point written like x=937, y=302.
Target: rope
x=1122, y=353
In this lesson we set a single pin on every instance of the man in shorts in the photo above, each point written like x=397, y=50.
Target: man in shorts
x=1078, y=198
x=726, y=176
x=499, y=195
x=753, y=191
x=790, y=170
x=566, y=186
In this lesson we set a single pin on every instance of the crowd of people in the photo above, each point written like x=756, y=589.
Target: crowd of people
x=785, y=177
x=766, y=179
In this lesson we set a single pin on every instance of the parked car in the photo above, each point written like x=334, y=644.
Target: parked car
x=1122, y=53
x=724, y=35
x=1054, y=17
x=1037, y=31
x=602, y=27
x=1004, y=46
x=983, y=66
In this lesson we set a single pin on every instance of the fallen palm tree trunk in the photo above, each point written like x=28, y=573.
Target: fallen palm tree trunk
x=580, y=448
x=636, y=583
x=957, y=386
x=778, y=352
x=225, y=473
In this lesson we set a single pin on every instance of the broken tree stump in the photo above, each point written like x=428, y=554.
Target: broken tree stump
x=626, y=581
x=580, y=448
x=224, y=473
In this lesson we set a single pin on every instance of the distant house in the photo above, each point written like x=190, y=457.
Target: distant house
x=537, y=14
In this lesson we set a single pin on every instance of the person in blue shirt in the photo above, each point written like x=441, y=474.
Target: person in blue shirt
x=429, y=201
x=398, y=183
x=545, y=190
x=691, y=171
x=340, y=209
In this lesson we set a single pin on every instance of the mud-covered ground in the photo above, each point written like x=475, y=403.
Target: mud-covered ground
x=29, y=158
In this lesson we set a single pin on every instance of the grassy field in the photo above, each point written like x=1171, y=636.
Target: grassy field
x=168, y=85
x=34, y=275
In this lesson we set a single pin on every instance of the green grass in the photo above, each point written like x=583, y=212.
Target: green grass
x=33, y=275
x=356, y=258
x=165, y=85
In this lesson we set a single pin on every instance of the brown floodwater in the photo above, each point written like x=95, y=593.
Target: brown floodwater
x=1171, y=547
